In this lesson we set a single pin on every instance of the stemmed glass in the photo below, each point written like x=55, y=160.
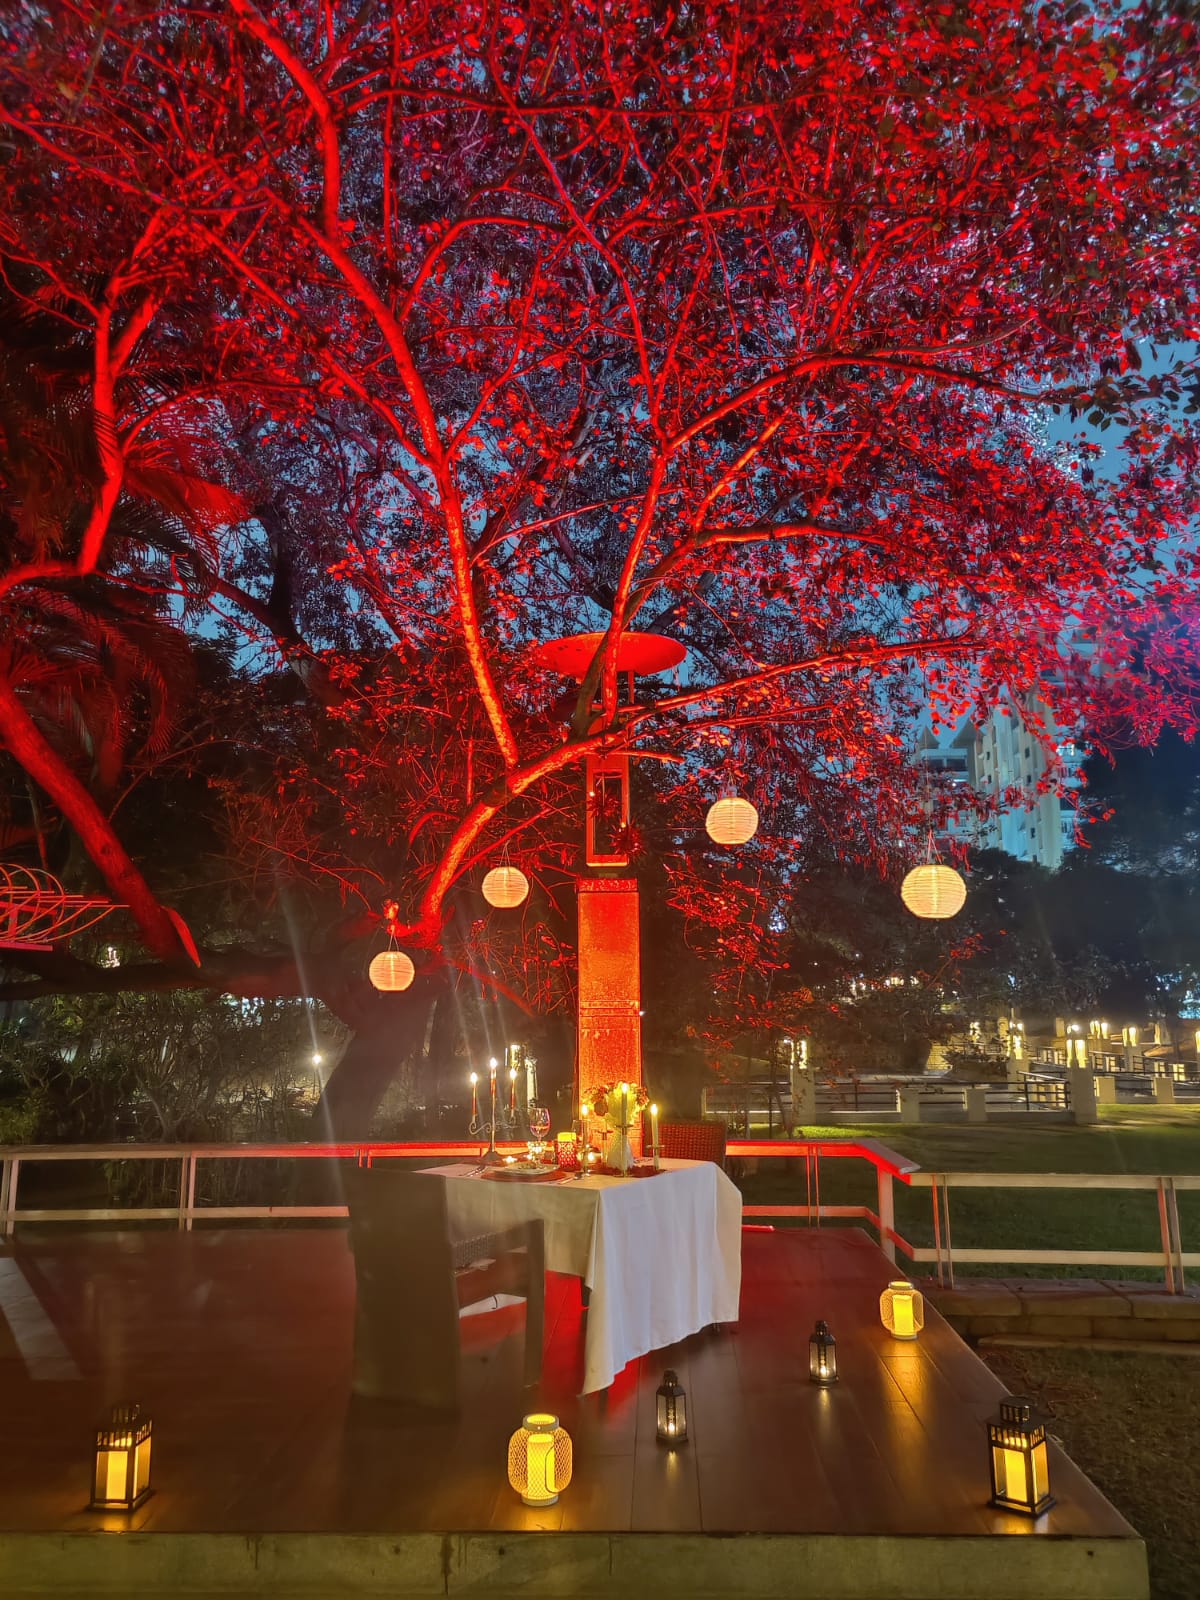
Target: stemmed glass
x=539, y=1128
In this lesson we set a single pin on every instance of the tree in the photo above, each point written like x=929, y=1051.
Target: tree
x=481, y=325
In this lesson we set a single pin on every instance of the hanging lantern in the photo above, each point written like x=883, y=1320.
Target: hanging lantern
x=822, y=1355
x=539, y=1459
x=121, y=1480
x=391, y=971
x=671, y=1402
x=1020, y=1468
x=731, y=821
x=934, y=891
x=505, y=887
x=902, y=1309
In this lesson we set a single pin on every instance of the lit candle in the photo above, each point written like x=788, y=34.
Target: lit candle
x=492, y=1065
x=512, y=1094
x=474, y=1096
x=624, y=1092
x=902, y=1314
x=654, y=1134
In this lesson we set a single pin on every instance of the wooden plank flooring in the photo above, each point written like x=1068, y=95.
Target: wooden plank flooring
x=238, y=1343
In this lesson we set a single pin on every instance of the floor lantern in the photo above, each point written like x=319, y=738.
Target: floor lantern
x=505, y=887
x=822, y=1355
x=1019, y=1459
x=121, y=1480
x=671, y=1408
x=391, y=971
x=934, y=891
x=539, y=1459
x=731, y=820
x=902, y=1309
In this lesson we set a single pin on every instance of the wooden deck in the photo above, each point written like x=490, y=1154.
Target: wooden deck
x=238, y=1344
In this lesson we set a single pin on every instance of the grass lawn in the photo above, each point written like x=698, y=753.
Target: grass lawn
x=1127, y=1139
x=1131, y=1423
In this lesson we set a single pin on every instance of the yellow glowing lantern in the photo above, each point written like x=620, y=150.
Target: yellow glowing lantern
x=670, y=1405
x=1019, y=1459
x=731, y=821
x=902, y=1309
x=391, y=971
x=934, y=891
x=539, y=1459
x=122, y=1476
x=505, y=887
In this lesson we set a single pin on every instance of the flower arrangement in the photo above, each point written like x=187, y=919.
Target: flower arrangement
x=606, y=1101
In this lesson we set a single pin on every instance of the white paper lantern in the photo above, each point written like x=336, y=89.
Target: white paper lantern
x=731, y=821
x=505, y=887
x=391, y=971
x=933, y=891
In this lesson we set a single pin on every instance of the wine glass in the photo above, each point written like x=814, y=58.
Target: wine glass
x=539, y=1127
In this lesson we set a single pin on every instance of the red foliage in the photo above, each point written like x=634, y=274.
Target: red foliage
x=507, y=321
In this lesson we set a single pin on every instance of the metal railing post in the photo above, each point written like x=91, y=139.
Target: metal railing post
x=192, y=1162
x=887, y=1212
x=937, y=1226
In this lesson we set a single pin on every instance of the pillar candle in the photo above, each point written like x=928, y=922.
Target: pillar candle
x=474, y=1096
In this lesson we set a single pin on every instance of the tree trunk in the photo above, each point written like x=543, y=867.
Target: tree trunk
x=387, y=1034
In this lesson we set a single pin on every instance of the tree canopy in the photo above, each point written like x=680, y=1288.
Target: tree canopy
x=352, y=352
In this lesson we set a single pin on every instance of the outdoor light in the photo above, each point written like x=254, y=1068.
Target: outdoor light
x=902, y=1309
x=731, y=821
x=934, y=891
x=391, y=971
x=822, y=1355
x=122, y=1476
x=672, y=1411
x=1019, y=1464
x=317, y=1058
x=505, y=887
x=539, y=1459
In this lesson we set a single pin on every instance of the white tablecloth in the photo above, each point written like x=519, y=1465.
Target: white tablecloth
x=662, y=1256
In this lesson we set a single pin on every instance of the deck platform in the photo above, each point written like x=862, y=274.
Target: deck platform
x=269, y=1480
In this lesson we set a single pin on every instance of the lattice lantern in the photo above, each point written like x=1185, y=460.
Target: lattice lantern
x=539, y=1459
x=505, y=887
x=934, y=891
x=391, y=971
x=731, y=821
x=902, y=1309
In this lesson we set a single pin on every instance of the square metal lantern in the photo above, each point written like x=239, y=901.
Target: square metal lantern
x=671, y=1411
x=822, y=1355
x=1018, y=1458
x=121, y=1480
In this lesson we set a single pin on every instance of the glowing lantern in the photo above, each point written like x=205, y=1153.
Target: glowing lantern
x=539, y=1459
x=933, y=891
x=1020, y=1469
x=822, y=1355
x=122, y=1475
x=505, y=887
x=902, y=1309
x=731, y=821
x=391, y=971
x=671, y=1402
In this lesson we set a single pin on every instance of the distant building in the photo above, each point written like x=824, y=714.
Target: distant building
x=996, y=758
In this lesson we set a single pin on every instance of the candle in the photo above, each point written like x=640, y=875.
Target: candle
x=512, y=1096
x=624, y=1092
x=654, y=1134
x=474, y=1096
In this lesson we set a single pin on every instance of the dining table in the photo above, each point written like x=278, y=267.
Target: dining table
x=660, y=1251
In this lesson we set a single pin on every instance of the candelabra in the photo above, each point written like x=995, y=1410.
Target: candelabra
x=501, y=1119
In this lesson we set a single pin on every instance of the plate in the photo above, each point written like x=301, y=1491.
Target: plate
x=522, y=1169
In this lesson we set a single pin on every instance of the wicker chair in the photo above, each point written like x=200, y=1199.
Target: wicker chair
x=693, y=1141
x=413, y=1282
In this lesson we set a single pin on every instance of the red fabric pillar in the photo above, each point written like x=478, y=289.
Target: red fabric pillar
x=610, y=987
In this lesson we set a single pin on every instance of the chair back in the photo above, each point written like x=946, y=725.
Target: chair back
x=406, y=1320
x=693, y=1141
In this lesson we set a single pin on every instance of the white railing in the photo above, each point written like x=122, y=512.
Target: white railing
x=1170, y=1257
x=14, y=1159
